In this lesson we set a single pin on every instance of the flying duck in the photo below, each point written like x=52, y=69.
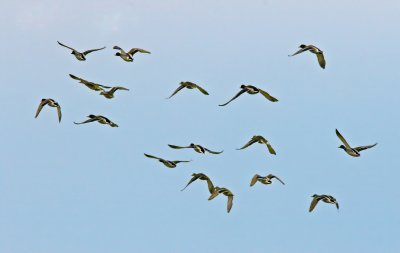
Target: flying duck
x=169, y=164
x=78, y=55
x=250, y=89
x=98, y=118
x=315, y=50
x=264, y=180
x=128, y=57
x=50, y=102
x=90, y=85
x=349, y=150
x=217, y=190
x=197, y=148
x=110, y=93
x=189, y=85
x=325, y=198
x=201, y=176
x=261, y=140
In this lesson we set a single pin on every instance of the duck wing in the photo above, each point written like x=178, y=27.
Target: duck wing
x=270, y=149
x=87, y=121
x=181, y=161
x=138, y=50
x=92, y=50
x=321, y=60
x=210, y=185
x=277, y=178
x=230, y=203
x=176, y=147
x=236, y=96
x=59, y=113
x=254, y=180
x=342, y=139
x=191, y=181
x=176, y=91
x=314, y=202
x=365, y=147
x=154, y=157
x=201, y=89
x=268, y=96
x=42, y=103
x=301, y=50
x=251, y=142
x=61, y=44
x=213, y=152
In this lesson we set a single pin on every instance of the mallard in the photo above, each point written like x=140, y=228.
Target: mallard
x=169, y=164
x=110, y=93
x=189, y=85
x=250, y=89
x=78, y=55
x=325, y=198
x=197, y=148
x=50, y=102
x=349, y=150
x=261, y=140
x=315, y=50
x=90, y=85
x=201, y=176
x=217, y=190
x=98, y=118
x=264, y=180
x=129, y=56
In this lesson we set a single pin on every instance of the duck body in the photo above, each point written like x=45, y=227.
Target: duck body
x=315, y=50
x=355, y=152
x=221, y=190
x=50, y=102
x=128, y=56
x=325, y=198
x=198, y=148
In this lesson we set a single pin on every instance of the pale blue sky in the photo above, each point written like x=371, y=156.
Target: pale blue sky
x=67, y=188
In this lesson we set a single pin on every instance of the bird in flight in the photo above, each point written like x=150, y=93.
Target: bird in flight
x=201, y=176
x=50, y=102
x=128, y=56
x=78, y=55
x=349, y=150
x=90, y=85
x=197, y=148
x=315, y=50
x=264, y=180
x=261, y=140
x=169, y=164
x=217, y=190
x=110, y=93
x=250, y=89
x=188, y=85
x=98, y=118
x=325, y=198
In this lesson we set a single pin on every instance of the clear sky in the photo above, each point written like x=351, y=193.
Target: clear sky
x=67, y=188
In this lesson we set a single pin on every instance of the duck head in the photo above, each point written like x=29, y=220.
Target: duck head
x=302, y=46
x=315, y=195
x=91, y=116
x=117, y=54
x=342, y=147
x=242, y=86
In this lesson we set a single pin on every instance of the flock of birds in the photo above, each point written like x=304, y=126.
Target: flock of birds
x=108, y=92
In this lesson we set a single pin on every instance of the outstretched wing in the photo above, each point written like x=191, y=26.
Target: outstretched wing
x=273, y=176
x=59, y=113
x=176, y=91
x=365, y=147
x=118, y=48
x=236, y=96
x=181, y=161
x=79, y=79
x=43, y=102
x=342, y=139
x=337, y=205
x=321, y=60
x=314, y=202
x=267, y=95
x=254, y=180
x=150, y=156
x=138, y=50
x=191, y=181
x=271, y=149
x=213, y=152
x=92, y=50
x=202, y=90
x=176, y=147
x=301, y=51
x=87, y=121
x=230, y=203
x=251, y=142
x=61, y=44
